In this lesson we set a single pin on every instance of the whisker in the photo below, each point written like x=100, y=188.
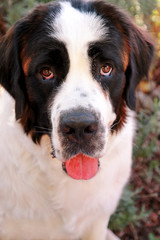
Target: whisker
x=43, y=128
x=36, y=131
x=116, y=123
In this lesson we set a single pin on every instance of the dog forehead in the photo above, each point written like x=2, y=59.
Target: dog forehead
x=77, y=28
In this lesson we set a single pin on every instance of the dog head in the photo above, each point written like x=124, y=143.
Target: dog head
x=72, y=68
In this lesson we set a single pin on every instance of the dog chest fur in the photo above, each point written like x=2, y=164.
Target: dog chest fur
x=42, y=203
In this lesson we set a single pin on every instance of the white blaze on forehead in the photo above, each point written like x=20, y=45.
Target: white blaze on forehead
x=77, y=29
x=72, y=25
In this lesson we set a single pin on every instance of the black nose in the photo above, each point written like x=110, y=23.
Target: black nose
x=79, y=126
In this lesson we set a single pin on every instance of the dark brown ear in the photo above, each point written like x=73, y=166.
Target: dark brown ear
x=141, y=53
x=12, y=47
x=137, y=44
x=11, y=73
x=2, y=26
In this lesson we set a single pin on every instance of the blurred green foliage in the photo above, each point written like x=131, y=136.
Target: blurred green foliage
x=152, y=128
x=152, y=237
x=15, y=9
x=136, y=7
x=127, y=212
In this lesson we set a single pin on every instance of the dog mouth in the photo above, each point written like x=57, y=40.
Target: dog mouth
x=81, y=167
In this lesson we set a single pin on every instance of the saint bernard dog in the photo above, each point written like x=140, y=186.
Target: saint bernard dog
x=68, y=73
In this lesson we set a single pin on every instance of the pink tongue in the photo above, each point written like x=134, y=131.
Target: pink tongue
x=81, y=167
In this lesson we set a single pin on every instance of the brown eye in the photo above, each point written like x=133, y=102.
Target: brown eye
x=47, y=73
x=106, y=70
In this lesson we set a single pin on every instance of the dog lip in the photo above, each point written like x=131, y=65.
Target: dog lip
x=98, y=163
x=64, y=167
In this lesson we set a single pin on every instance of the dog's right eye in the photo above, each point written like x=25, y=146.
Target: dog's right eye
x=47, y=73
x=106, y=70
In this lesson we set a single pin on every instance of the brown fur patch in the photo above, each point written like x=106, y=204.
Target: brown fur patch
x=25, y=65
x=2, y=26
x=121, y=117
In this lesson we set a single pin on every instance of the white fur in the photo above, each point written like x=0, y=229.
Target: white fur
x=77, y=30
x=38, y=200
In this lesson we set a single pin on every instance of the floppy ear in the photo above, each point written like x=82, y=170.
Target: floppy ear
x=11, y=73
x=141, y=53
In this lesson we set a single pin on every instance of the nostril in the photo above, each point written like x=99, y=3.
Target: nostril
x=91, y=129
x=68, y=130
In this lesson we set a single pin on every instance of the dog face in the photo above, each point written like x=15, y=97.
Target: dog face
x=81, y=112
x=72, y=68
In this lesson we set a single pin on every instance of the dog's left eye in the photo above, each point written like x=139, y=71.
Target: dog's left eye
x=46, y=73
x=106, y=70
